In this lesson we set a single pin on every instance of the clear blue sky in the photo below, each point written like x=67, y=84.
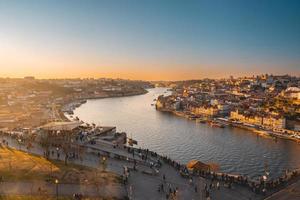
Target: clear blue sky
x=149, y=39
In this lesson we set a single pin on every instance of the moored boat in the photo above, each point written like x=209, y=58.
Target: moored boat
x=216, y=124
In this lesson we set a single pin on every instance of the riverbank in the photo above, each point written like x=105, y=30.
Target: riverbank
x=151, y=176
x=225, y=122
x=264, y=132
x=238, y=151
x=69, y=107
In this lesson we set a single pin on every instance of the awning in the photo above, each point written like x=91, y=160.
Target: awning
x=197, y=165
x=61, y=126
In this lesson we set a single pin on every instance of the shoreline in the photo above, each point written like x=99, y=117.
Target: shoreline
x=281, y=182
x=181, y=114
x=69, y=107
x=260, y=132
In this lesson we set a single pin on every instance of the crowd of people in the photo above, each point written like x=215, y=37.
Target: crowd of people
x=166, y=188
x=261, y=186
x=155, y=161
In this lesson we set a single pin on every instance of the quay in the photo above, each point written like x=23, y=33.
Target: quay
x=145, y=172
x=225, y=122
x=260, y=131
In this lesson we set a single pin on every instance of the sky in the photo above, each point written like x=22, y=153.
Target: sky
x=149, y=39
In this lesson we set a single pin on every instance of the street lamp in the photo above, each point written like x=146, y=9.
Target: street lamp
x=56, y=184
x=104, y=162
x=57, y=149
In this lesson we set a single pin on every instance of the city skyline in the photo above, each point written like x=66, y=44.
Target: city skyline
x=149, y=40
x=149, y=99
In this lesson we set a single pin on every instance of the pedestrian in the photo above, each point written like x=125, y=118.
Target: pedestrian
x=39, y=190
x=207, y=194
x=134, y=165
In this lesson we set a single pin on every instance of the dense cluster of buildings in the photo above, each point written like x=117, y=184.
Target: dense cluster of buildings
x=265, y=101
x=30, y=102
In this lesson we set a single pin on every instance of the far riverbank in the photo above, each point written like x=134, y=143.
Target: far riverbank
x=225, y=122
x=72, y=105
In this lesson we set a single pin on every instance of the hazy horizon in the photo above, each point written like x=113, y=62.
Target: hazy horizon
x=70, y=78
x=149, y=40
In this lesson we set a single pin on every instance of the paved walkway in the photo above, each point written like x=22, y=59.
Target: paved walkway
x=292, y=192
x=145, y=187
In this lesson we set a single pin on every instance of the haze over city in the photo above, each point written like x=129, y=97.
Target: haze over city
x=150, y=40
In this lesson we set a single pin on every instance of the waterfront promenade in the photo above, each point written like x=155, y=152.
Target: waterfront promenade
x=290, y=192
x=142, y=184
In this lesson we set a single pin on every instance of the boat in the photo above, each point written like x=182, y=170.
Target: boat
x=192, y=117
x=216, y=124
x=262, y=133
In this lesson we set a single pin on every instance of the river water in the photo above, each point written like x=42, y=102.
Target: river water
x=236, y=150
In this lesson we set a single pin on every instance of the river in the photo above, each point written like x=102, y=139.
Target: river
x=236, y=150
